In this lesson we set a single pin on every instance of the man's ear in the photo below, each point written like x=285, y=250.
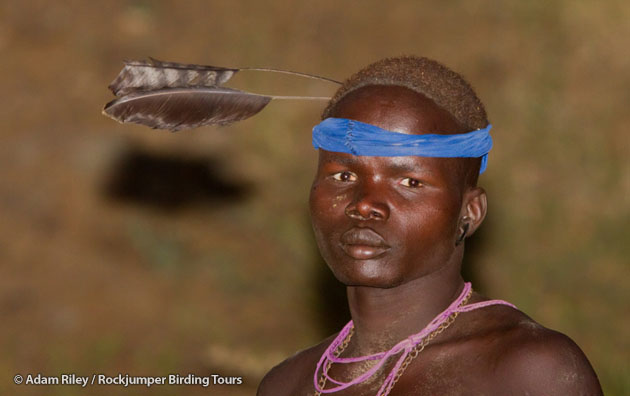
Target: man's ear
x=474, y=208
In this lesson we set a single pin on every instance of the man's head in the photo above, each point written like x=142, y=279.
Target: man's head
x=383, y=221
x=446, y=88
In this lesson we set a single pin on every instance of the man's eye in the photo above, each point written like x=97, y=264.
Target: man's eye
x=410, y=182
x=344, y=176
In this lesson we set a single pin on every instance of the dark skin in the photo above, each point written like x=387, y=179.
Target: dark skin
x=390, y=229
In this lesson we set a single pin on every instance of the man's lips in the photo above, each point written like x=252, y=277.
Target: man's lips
x=363, y=243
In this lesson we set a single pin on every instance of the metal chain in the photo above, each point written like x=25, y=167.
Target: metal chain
x=412, y=355
x=425, y=341
x=337, y=352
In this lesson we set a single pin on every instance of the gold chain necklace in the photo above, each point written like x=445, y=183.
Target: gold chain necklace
x=412, y=355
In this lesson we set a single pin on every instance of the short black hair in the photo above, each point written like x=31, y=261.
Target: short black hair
x=446, y=88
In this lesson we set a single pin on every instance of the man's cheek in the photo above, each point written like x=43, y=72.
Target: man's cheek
x=326, y=205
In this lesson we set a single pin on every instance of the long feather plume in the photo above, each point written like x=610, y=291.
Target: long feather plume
x=176, y=96
x=155, y=74
x=184, y=108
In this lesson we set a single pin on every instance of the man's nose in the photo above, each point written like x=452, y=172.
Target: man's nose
x=369, y=204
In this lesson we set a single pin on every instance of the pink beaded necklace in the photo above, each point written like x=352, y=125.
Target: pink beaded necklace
x=407, y=348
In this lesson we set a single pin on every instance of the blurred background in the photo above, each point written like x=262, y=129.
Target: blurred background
x=127, y=250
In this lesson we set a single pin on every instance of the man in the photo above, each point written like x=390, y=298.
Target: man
x=395, y=195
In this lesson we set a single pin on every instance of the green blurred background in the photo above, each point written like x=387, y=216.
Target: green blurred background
x=127, y=250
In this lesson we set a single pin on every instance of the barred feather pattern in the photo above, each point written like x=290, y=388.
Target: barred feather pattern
x=184, y=108
x=154, y=74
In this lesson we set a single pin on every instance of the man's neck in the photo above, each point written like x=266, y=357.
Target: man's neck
x=384, y=317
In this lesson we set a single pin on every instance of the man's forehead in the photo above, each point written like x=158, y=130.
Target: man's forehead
x=398, y=109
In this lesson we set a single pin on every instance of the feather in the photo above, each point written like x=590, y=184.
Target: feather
x=155, y=74
x=176, y=96
x=184, y=108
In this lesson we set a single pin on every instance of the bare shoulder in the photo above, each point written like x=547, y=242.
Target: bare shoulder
x=541, y=361
x=295, y=374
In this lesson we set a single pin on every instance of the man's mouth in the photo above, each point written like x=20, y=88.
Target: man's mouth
x=363, y=243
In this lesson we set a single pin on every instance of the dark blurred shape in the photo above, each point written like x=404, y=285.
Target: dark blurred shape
x=170, y=182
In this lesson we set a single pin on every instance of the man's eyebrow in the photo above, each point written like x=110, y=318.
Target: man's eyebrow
x=341, y=160
x=399, y=165
x=402, y=165
x=405, y=167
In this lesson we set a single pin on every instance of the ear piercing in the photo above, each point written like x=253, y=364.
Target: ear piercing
x=464, y=231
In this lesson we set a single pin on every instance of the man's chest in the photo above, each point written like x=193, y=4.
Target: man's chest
x=433, y=374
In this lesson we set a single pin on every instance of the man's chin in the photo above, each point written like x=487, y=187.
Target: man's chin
x=359, y=277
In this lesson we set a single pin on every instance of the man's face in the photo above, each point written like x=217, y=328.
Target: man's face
x=383, y=221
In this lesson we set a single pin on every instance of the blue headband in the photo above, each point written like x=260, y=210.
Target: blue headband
x=357, y=138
